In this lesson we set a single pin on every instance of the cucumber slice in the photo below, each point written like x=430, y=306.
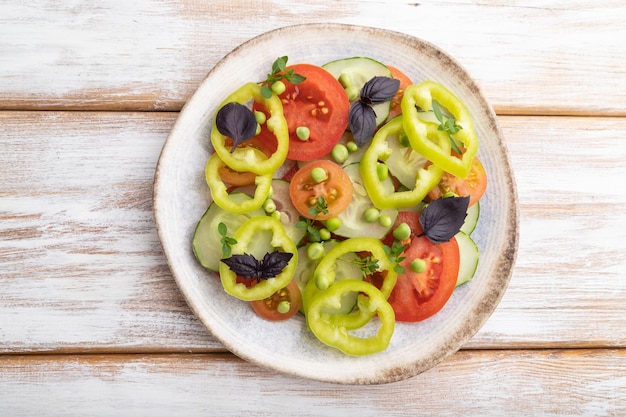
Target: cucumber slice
x=206, y=244
x=353, y=73
x=352, y=223
x=471, y=219
x=469, y=255
x=289, y=216
x=404, y=162
x=353, y=157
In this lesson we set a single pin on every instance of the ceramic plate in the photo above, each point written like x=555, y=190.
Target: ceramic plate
x=181, y=196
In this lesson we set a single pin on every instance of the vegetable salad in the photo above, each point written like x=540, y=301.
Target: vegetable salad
x=346, y=193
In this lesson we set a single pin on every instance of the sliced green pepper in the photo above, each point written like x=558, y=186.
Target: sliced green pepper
x=325, y=271
x=280, y=241
x=242, y=159
x=324, y=277
x=219, y=190
x=421, y=96
x=337, y=336
x=425, y=180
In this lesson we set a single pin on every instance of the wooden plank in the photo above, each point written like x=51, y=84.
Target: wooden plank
x=81, y=266
x=543, y=57
x=487, y=383
x=80, y=258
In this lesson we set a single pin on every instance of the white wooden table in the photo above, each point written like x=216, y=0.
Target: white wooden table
x=91, y=320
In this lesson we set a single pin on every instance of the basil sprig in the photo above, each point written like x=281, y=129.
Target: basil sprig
x=247, y=266
x=441, y=219
x=362, y=117
x=236, y=121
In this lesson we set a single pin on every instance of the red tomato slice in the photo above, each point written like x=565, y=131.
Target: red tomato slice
x=418, y=296
x=474, y=185
x=237, y=178
x=268, y=307
x=405, y=81
x=336, y=190
x=318, y=103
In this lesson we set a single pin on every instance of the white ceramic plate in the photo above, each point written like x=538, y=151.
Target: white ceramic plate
x=181, y=196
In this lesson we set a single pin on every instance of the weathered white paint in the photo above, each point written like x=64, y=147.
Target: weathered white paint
x=151, y=55
x=493, y=384
x=81, y=268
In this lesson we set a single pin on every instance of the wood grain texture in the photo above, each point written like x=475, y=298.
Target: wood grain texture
x=82, y=268
x=540, y=57
x=469, y=383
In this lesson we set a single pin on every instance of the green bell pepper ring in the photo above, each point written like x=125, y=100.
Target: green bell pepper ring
x=425, y=180
x=242, y=159
x=338, y=337
x=325, y=271
x=220, y=194
x=324, y=277
x=244, y=235
x=422, y=95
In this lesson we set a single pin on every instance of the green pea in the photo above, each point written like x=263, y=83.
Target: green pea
x=418, y=265
x=371, y=215
x=315, y=251
x=278, y=87
x=319, y=174
x=353, y=93
x=339, y=153
x=303, y=133
x=382, y=171
x=269, y=206
x=352, y=146
x=385, y=221
x=283, y=307
x=322, y=282
x=345, y=80
x=277, y=215
x=384, y=155
x=403, y=139
x=258, y=129
x=324, y=234
x=402, y=232
x=333, y=223
x=260, y=117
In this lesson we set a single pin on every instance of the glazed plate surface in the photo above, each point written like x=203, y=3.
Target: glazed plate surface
x=181, y=196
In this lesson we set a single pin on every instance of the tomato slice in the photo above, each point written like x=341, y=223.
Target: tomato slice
x=418, y=296
x=238, y=178
x=318, y=103
x=336, y=190
x=405, y=81
x=268, y=307
x=474, y=185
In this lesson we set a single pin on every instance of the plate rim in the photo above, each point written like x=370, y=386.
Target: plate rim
x=506, y=263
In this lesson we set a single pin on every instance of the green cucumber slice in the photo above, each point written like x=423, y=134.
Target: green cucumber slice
x=473, y=212
x=468, y=255
x=403, y=162
x=289, y=216
x=352, y=222
x=353, y=73
x=206, y=244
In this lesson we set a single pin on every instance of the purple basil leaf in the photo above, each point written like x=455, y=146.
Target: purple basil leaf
x=379, y=90
x=244, y=265
x=274, y=263
x=236, y=121
x=442, y=219
x=362, y=122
